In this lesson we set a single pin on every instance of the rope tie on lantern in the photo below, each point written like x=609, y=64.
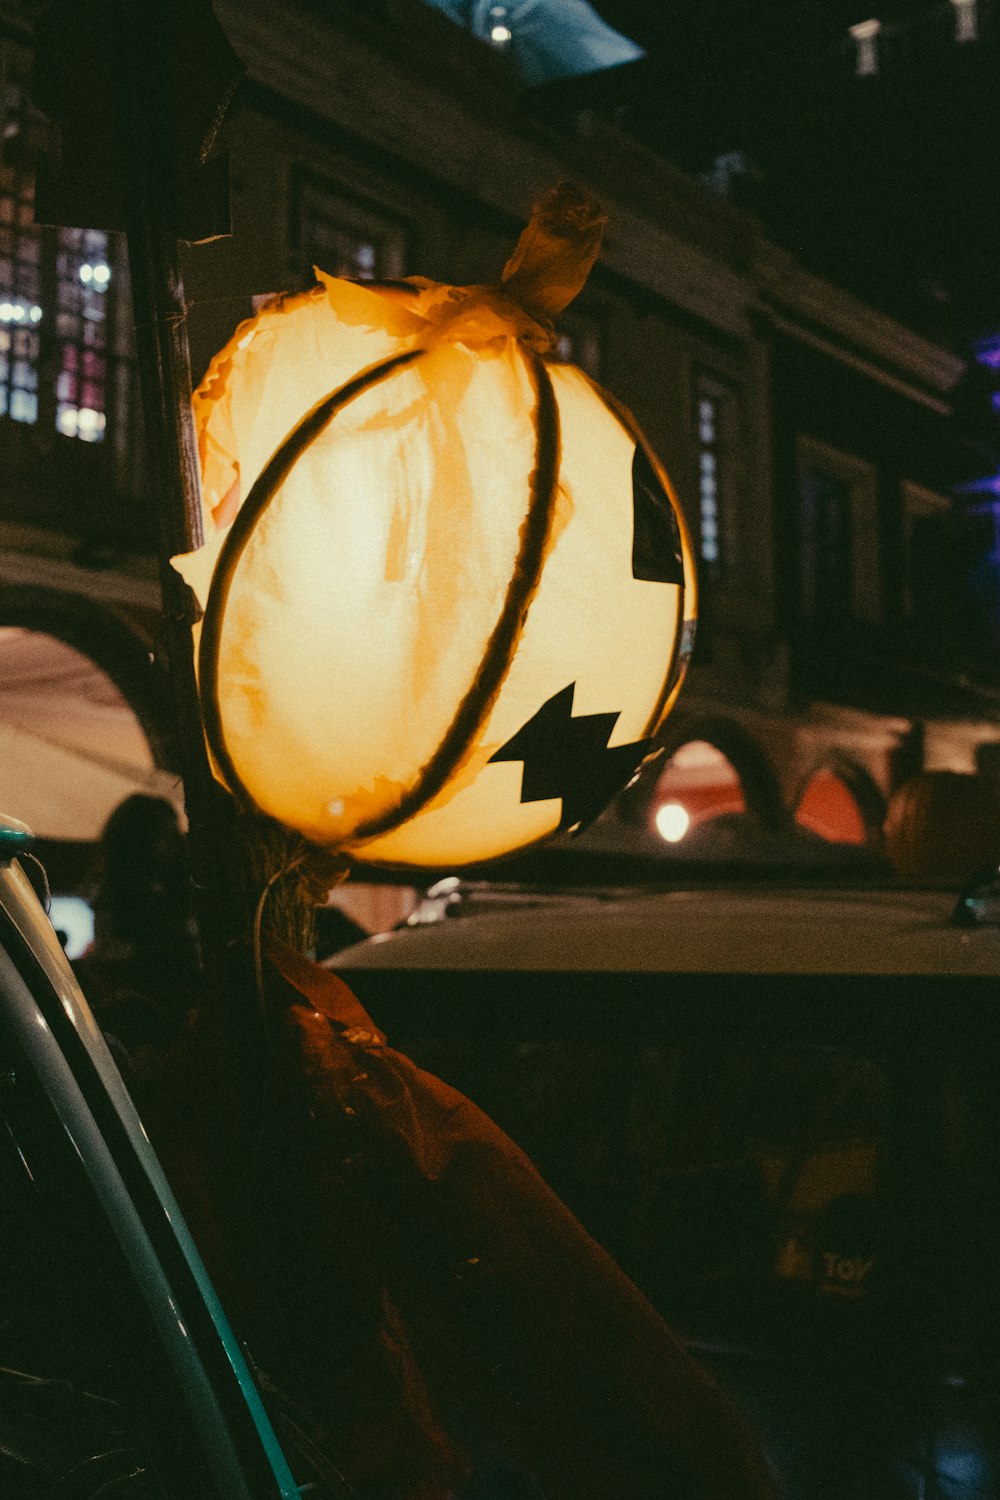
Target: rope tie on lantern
x=549, y=266
x=314, y=872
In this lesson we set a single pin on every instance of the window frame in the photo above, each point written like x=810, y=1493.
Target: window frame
x=351, y=215
x=917, y=501
x=55, y=263
x=586, y=330
x=859, y=479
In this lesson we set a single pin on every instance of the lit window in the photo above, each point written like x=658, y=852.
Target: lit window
x=83, y=277
x=580, y=341
x=715, y=418
x=365, y=258
x=20, y=294
x=343, y=236
x=96, y=276
x=708, y=505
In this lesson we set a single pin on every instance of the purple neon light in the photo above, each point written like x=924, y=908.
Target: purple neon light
x=987, y=352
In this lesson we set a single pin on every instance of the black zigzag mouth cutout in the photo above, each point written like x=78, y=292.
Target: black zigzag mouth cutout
x=569, y=757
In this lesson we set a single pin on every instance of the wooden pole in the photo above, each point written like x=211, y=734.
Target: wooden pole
x=139, y=88
x=223, y=901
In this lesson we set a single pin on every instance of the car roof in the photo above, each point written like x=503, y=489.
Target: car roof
x=877, y=932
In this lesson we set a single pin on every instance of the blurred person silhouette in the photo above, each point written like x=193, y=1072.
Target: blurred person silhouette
x=141, y=973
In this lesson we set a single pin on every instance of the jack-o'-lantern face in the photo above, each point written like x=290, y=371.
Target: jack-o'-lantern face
x=448, y=597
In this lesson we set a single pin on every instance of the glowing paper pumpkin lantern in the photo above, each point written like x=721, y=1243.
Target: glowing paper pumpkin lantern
x=448, y=592
x=943, y=825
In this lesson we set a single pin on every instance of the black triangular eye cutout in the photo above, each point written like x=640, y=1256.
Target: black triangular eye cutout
x=656, y=537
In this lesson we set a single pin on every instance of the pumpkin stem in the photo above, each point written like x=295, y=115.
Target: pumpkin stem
x=553, y=257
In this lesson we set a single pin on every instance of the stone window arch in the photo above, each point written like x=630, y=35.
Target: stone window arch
x=83, y=715
x=839, y=802
x=711, y=768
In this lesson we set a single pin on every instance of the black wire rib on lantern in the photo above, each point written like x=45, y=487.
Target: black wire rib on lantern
x=473, y=710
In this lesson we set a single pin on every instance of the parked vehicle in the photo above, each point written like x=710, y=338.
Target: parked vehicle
x=119, y=1372
x=775, y=1108
x=778, y=1110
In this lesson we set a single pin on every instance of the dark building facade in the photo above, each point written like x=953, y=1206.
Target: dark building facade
x=817, y=443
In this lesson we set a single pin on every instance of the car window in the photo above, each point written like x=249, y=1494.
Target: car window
x=711, y=1170
x=726, y=1178
x=797, y=1170
x=86, y=1406
x=762, y=1154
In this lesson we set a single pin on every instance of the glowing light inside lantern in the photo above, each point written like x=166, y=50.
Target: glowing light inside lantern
x=426, y=541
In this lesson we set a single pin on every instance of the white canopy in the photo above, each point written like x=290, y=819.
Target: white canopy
x=71, y=748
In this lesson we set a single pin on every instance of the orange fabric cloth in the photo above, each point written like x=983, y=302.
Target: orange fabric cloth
x=504, y=1307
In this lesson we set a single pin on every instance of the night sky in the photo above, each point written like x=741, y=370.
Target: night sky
x=889, y=185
